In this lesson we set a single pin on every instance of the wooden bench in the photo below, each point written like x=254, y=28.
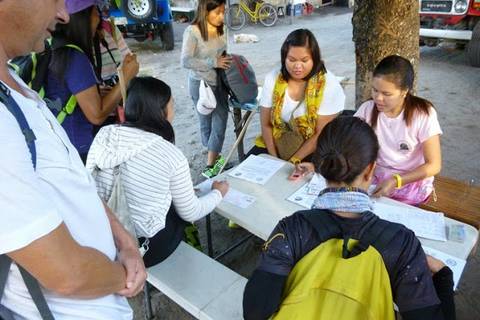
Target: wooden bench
x=202, y=286
x=457, y=200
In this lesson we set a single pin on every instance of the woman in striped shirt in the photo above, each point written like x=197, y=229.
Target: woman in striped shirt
x=155, y=174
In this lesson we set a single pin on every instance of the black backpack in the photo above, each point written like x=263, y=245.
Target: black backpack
x=33, y=69
x=239, y=80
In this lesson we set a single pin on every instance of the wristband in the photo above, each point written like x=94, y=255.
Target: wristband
x=398, y=178
x=294, y=160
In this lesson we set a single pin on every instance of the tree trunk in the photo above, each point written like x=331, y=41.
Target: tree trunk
x=382, y=28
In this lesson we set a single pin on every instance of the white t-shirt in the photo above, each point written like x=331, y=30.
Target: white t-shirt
x=35, y=202
x=333, y=100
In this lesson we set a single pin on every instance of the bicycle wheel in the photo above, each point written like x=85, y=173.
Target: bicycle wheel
x=235, y=17
x=267, y=15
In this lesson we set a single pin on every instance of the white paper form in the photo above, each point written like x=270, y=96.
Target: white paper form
x=233, y=196
x=256, y=169
x=238, y=198
x=306, y=195
x=456, y=264
x=425, y=224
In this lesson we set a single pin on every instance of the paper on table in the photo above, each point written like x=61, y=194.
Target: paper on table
x=456, y=264
x=256, y=169
x=238, y=198
x=233, y=196
x=316, y=184
x=306, y=195
x=425, y=224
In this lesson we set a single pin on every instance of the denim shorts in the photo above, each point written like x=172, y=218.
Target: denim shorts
x=212, y=126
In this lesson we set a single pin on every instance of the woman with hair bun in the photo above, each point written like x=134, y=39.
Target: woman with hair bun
x=298, y=248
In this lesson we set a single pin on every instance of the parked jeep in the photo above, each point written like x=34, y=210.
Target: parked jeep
x=453, y=20
x=144, y=19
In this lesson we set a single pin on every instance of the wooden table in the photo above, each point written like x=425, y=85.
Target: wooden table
x=457, y=200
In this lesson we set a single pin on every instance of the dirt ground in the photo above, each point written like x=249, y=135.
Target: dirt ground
x=444, y=78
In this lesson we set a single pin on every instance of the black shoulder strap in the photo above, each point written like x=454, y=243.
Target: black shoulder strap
x=377, y=233
x=12, y=106
x=323, y=223
x=30, y=282
x=5, y=262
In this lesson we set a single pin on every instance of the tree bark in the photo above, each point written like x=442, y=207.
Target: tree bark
x=382, y=28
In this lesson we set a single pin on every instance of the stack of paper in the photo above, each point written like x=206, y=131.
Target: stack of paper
x=425, y=224
x=256, y=169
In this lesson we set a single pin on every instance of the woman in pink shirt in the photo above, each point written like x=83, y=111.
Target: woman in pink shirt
x=408, y=133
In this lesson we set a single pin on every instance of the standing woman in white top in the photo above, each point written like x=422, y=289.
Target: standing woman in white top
x=154, y=173
x=202, y=51
x=304, y=87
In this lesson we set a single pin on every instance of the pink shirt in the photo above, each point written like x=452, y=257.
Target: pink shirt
x=401, y=146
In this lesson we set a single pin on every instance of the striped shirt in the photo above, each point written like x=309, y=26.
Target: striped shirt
x=154, y=173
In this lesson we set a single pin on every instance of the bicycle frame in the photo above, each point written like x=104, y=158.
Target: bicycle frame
x=254, y=16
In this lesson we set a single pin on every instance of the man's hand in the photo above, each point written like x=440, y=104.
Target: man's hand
x=136, y=274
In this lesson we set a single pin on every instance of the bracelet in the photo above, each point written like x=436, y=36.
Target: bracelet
x=398, y=178
x=294, y=160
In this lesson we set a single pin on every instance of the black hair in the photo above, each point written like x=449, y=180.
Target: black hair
x=399, y=71
x=146, y=106
x=77, y=32
x=200, y=20
x=346, y=146
x=302, y=38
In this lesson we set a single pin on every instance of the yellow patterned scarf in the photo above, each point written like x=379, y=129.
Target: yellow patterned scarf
x=306, y=123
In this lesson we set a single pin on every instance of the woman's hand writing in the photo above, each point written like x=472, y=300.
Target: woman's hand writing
x=385, y=188
x=301, y=170
x=221, y=186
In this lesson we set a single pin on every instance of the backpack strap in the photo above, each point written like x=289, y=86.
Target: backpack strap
x=377, y=233
x=5, y=262
x=321, y=220
x=12, y=106
x=30, y=282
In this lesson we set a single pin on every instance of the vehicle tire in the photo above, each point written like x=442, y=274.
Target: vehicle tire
x=431, y=42
x=476, y=31
x=473, y=52
x=139, y=10
x=235, y=17
x=267, y=15
x=166, y=35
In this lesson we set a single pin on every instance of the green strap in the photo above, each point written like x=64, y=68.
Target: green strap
x=73, y=46
x=34, y=68
x=14, y=67
x=67, y=109
x=72, y=101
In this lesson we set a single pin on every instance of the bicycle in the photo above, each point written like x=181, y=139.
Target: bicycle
x=263, y=12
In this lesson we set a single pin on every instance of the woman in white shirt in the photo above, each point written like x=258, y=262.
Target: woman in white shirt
x=303, y=96
x=154, y=173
